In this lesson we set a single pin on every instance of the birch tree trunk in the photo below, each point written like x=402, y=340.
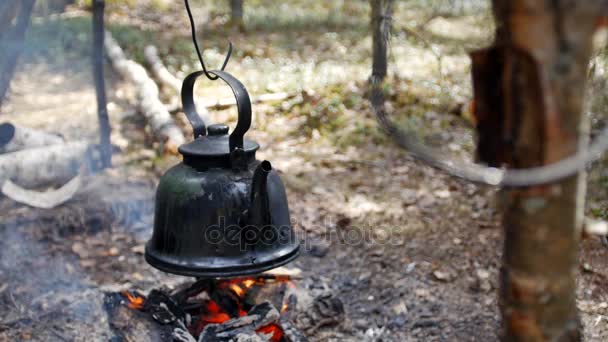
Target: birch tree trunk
x=534, y=80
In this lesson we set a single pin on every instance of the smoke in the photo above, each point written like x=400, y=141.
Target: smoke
x=45, y=291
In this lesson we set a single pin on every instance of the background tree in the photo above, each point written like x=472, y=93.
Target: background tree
x=381, y=15
x=236, y=10
x=531, y=84
x=13, y=40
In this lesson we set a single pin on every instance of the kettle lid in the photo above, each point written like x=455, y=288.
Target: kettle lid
x=213, y=149
x=213, y=146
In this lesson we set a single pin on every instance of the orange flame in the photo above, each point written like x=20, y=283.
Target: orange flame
x=237, y=290
x=135, y=302
x=240, y=286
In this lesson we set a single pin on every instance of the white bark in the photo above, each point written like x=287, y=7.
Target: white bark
x=150, y=106
x=160, y=71
x=49, y=165
x=15, y=138
x=42, y=199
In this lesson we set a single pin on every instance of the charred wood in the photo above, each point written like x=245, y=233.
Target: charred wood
x=133, y=325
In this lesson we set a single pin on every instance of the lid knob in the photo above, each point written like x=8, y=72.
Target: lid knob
x=217, y=129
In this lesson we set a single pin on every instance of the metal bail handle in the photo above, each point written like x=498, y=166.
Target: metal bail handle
x=243, y=104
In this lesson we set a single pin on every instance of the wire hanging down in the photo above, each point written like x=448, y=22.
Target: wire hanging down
x=198, y=51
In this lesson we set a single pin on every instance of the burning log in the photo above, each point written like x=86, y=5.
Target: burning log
x=219, y=310
x=15, y=138
x=150, y=106
x=260, y=319
x=49, y=165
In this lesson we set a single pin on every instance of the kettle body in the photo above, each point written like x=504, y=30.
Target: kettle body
x=221, y=212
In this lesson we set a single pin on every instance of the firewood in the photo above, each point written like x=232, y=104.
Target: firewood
x=148, y=101
x=15, y=138
x=133, y=325
x=168, y=80
x=159, y=70
x=48, y=165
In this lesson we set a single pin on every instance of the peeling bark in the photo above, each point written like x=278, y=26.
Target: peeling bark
x=545, y=48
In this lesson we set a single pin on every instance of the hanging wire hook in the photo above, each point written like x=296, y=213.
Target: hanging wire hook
x=198, y=51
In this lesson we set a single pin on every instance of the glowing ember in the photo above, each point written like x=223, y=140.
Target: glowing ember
x=248, y=283
x=135, y=302
x=232, y=302
x=273, y=330
x=239, y=286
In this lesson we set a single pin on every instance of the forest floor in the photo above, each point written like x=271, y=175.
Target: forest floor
x=413, y=254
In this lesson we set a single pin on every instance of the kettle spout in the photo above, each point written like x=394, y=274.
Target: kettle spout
x=259, y=211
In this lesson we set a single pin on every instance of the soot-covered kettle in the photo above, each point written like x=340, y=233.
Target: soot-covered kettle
x=221, y=212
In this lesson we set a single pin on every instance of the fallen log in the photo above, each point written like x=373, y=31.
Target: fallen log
x=49, y=165
x=15, y=138
x=150, y=106
x=168, y=80
x=159, y=70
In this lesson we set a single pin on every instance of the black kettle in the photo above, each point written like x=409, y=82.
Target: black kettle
x=221, y=212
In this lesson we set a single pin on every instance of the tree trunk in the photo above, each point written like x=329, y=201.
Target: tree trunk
x=382, y=11
x=8, y=11
x=100, y=85
x=13, y=45
x=236, y=7
x=538, y=67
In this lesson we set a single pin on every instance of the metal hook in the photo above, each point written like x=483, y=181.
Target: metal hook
x=198, y=51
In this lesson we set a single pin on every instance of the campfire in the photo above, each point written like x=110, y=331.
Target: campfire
x=256, y=308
